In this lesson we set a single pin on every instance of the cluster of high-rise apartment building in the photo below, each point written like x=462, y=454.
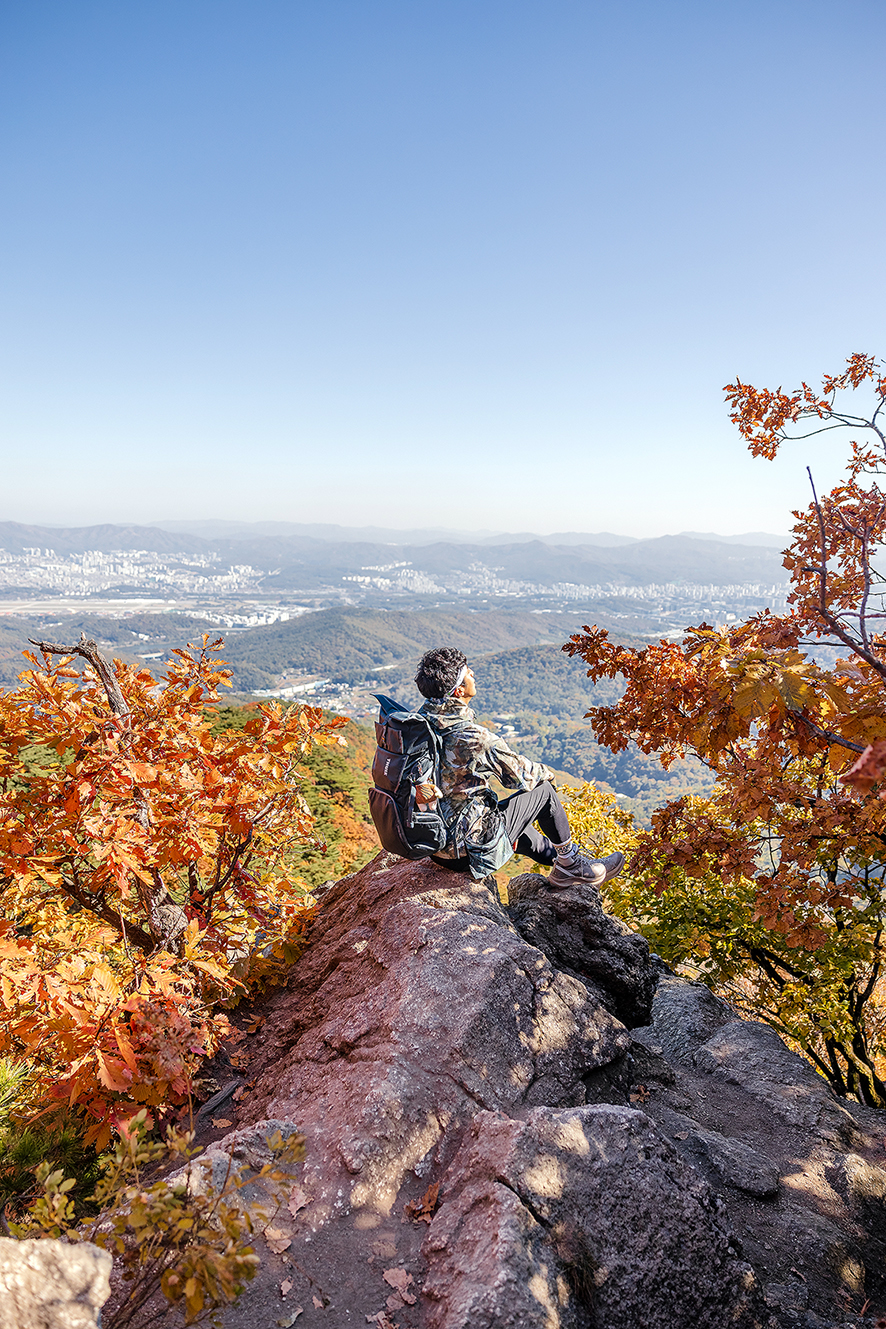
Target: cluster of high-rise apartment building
x=482, y=581
x=207, y=580
x=94, y=571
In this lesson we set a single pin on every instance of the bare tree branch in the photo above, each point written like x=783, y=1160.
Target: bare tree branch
x=826, y=733
x=89, y=651
x=166, y=919
x=143, y=940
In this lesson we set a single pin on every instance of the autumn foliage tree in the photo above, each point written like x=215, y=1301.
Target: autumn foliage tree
x=143, y=872
x=335, y=788
x=775, y=885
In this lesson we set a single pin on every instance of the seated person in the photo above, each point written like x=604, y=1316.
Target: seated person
x=483, y=831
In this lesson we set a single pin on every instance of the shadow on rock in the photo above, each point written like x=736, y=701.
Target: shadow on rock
x=578, y=937
x=487, y=1145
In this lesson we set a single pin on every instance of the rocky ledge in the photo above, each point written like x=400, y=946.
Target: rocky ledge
x=515, y=1117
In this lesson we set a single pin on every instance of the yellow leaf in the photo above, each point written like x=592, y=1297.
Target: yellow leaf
x=795, y=692
x=112, y=1073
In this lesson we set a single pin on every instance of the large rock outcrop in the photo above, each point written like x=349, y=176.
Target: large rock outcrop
x=571, y=929
x=803, y=1173
x=52, y=1285
x=514, y=1117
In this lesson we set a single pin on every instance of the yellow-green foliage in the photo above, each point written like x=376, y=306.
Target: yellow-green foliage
x=704, y=921
x=184, y=1237
x=598, y=824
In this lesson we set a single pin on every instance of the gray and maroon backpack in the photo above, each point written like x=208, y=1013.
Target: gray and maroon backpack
x=408, y=755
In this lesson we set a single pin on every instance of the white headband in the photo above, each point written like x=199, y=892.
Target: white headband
x=462, y=673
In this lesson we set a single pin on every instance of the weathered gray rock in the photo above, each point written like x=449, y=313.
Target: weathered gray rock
x=753, y=1055
x=243, y=1154
x=684, y=1015
x=630, y=1234
x=50, y=1284
x=733, y=1081
x=578, y=937
x=862, y=1185
x=786, y=1296
x=729, y=1162
x=820, y=1241
x=648, y=1062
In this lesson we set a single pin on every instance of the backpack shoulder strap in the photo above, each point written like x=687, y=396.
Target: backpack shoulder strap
x=388, y=706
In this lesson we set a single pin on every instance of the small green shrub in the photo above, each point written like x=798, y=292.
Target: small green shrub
x=182, y=1240
x=26, y=1143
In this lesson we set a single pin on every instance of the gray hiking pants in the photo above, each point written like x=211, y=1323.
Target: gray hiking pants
x=541, y=805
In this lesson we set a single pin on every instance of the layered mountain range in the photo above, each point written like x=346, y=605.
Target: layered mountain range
x=295, y=561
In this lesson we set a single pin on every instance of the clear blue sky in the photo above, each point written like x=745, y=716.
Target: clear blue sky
x=475, y=263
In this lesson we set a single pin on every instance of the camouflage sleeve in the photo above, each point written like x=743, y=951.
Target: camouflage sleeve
x=514, y=771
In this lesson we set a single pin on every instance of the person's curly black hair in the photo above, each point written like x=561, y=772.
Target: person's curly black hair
x=438, y=671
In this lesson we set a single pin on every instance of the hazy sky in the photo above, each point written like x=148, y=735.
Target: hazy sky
x=472, y=263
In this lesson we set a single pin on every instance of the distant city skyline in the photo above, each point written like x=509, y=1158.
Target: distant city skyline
x=256, y=579
x=481, y=266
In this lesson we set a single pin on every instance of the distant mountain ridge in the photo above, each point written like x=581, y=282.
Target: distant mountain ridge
x=749, y=538
x=261, y=530
x=669, y=558
x=215, y=529
x=307, y=563
x=16, y=537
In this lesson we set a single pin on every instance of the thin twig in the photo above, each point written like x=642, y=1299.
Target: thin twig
x=827, y=733
x=832, y=621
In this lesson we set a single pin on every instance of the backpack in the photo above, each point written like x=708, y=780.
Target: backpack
x=408, y=754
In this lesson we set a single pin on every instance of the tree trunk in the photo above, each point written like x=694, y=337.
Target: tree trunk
x=166, y=920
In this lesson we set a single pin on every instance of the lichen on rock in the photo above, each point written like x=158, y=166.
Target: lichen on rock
x=46, y=1284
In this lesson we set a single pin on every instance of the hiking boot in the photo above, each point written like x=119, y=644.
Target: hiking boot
x=586, y=871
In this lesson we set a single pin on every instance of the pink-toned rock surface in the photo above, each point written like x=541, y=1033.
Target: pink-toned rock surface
x=417, y=1016
x=515, y=1120
x=417, y=1005
x=490, y=1146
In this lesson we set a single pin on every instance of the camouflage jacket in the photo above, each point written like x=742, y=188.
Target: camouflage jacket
x=472, y=756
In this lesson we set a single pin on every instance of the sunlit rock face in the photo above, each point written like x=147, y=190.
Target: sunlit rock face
x=497, y=1135
x=416, y=1005
x=633, y=1236
x=52, y=1285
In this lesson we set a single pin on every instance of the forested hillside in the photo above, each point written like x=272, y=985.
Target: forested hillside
x=346, y=644
x=137, y=635
x=349, y=643
x=522, y=674
x=14, y=634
